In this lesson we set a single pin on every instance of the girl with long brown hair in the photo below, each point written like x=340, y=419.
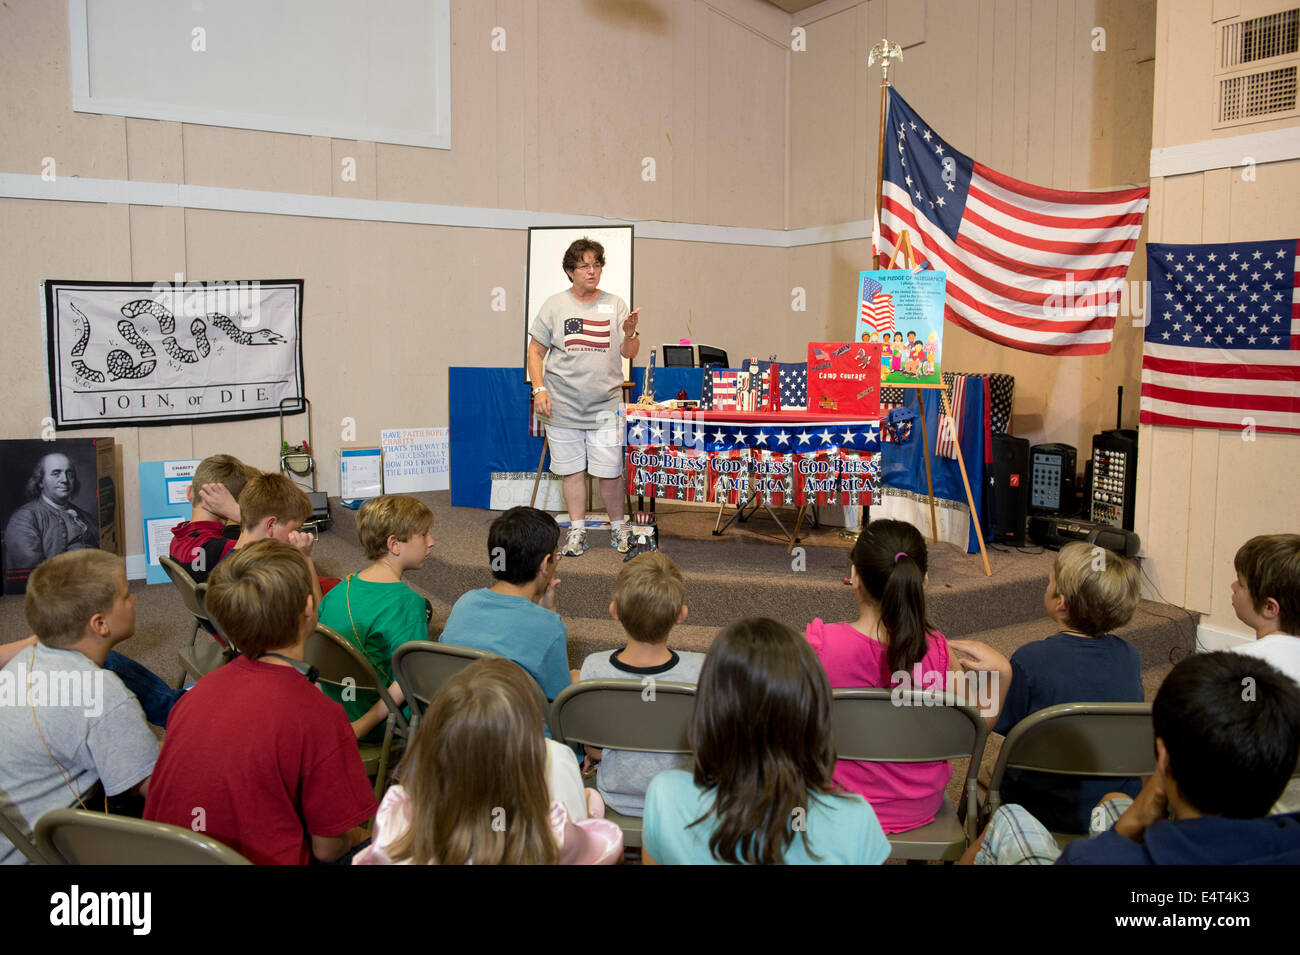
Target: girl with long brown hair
x=474, y=785
x=761, y=791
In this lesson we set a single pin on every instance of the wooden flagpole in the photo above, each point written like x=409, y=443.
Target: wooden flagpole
x=886, y=52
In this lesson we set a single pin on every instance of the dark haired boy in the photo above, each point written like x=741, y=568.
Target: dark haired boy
x=255, y=755
x=512, y=617
x=1227, y=731
x=1266, y=598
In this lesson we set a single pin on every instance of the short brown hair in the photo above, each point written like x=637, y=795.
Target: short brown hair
x=1101, y=588
x=578, y=249
x=393, y=515
x=272, y=495
x=257, y=595
x=221, y=469
x=64, y=592
x=648, y=595
x=1269, y=566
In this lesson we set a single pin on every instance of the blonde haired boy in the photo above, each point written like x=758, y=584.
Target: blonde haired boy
x=68, y=723
x=1090, y=592
x=255, y=747
x=374, y=609
x=649, y=600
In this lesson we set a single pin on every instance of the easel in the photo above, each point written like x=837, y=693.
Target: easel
x=909, y=261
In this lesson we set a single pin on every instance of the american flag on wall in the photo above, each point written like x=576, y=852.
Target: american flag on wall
x=876, y=306
x=1011, y=250
x=586, y=334
x=1222, y=347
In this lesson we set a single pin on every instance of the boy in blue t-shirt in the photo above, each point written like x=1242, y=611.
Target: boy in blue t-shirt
x=1090, y=592
x=513, y=617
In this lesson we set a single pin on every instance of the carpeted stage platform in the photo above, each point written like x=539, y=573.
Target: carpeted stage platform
x=742, y=573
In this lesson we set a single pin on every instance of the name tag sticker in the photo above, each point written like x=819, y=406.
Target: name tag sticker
x=605, y=308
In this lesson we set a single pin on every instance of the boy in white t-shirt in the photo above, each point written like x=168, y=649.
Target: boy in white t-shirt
x=1266, y=598
x=69, y=723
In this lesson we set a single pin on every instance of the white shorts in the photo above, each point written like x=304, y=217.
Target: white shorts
x=599, y=453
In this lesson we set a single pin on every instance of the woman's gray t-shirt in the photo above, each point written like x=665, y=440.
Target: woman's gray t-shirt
x=584, y=370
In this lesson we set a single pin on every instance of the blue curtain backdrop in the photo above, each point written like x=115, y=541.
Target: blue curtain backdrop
x=903, y=466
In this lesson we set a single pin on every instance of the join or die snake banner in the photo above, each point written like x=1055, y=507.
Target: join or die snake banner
x=141, y=353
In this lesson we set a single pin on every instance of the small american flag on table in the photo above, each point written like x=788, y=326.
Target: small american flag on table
x=1222, y=349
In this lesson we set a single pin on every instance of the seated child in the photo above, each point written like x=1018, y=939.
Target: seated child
x=72, y=724
x=762, y=790
x=268, y=761
x=373, y=608
x=213, y=495
x=272, y=506
x=474, y=785
x=1222, y=758
x=890, y=643
x=512, y=617
x=649, y=600
x=1090, y=591
x=1266, y=598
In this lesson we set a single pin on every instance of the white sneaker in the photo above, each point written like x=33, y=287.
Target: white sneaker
x=576, y=545
x=621, y=539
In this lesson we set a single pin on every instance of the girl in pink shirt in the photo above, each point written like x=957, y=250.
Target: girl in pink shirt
x=890, y=643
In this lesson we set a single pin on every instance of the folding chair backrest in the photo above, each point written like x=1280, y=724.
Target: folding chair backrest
x=78, y=837
x=192, y=595
x=904, y=726
x=1081, y=739
x=341, y=664
x=625, y=714
x=422, y=666
x=14, y=828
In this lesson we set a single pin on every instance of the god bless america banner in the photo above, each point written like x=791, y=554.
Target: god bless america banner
x=163, y=353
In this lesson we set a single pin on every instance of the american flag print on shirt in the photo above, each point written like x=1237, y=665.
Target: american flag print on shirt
x=1030, y=268
x=876, y=306
x=1222, y=344
x=586, y=334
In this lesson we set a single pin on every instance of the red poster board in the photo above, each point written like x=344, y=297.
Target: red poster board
x=844, y=378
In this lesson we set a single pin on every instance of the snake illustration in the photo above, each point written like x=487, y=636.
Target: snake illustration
x=119, y=361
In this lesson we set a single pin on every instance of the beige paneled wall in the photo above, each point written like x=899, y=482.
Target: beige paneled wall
x=1016, y=85
x=742, y=131
x=1203, y=492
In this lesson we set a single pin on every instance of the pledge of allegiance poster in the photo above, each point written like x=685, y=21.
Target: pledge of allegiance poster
x=903, y=310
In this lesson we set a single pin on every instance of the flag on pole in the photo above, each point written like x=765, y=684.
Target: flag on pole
x=1028, y=267
x=1222, y=347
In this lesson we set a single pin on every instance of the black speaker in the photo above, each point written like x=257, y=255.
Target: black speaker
x=1009, y=484
x=1055, y=532
x=1051, y=486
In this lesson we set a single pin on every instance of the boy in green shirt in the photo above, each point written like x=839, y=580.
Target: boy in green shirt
x=373, y=609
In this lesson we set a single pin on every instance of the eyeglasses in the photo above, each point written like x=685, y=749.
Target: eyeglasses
x=588, y=267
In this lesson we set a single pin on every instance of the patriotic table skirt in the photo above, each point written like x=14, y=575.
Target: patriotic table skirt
x=781, y=458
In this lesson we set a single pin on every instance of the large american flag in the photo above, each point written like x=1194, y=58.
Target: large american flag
x=1015, y=254
x=876, y=306
x=1222, y=345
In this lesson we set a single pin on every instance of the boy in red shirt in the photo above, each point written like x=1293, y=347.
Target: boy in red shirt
x=255, y=755
x=200, y=542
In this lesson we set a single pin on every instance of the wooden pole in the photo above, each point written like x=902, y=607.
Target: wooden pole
x=965, y=480
x=880, y=162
